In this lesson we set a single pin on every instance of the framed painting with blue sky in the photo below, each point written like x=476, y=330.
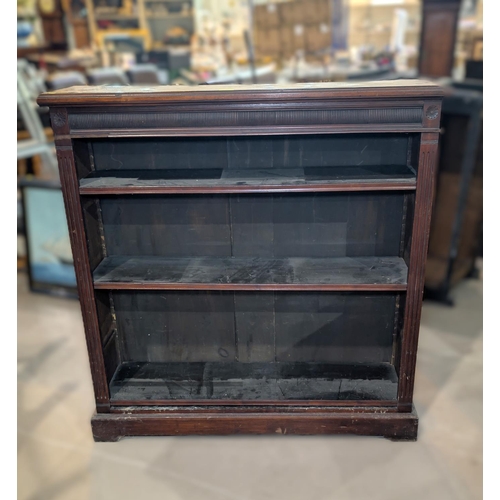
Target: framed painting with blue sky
x=50, y=262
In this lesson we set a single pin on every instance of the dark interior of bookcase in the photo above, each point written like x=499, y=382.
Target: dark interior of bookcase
x=250, y=296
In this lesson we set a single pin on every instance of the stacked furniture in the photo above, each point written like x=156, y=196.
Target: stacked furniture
x=282, y=30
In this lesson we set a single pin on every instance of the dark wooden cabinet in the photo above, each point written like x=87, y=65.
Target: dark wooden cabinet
x=438, y=37
x=456, y=229
x=51, y=13
x=250, y=259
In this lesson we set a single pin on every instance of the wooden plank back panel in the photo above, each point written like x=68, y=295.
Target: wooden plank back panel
x=300, y=151
x=188, y=326
x=255, y=326
x=291, y=225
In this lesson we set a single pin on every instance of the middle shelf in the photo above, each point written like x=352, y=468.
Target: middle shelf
x=246, y=273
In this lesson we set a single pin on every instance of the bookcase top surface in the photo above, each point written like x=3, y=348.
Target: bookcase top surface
x=127, y=95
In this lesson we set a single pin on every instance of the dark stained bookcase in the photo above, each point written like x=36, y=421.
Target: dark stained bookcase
x=250, y=259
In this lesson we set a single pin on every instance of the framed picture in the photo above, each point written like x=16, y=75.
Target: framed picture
x=48, y=249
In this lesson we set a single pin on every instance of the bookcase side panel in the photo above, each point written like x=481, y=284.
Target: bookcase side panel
x=69, y=184
x=416, y=272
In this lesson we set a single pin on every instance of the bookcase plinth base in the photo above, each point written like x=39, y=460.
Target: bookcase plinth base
x=392, y=425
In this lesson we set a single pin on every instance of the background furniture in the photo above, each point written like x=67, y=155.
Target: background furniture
x=437, y=38
x=143, y=74
x=281, y=30
x=474, y=70
x=52, y=15
x=107, y=76
x=250, y=259
x=35, y=141
x=455, y=239
x=63, y=79
x=77, y=23
x=114, y=18
x=163, y=16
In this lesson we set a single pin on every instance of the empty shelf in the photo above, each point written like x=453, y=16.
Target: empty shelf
x=103, y=182
x=242, y=273
x=152, y=383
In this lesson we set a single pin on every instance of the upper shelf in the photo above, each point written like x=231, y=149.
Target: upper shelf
x=377, y=178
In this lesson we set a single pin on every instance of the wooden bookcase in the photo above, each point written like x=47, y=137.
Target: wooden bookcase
x=250, y=259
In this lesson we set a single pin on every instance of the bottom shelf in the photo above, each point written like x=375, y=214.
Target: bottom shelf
x=170, y=382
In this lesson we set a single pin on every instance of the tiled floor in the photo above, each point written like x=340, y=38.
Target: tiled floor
x=57, y=458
